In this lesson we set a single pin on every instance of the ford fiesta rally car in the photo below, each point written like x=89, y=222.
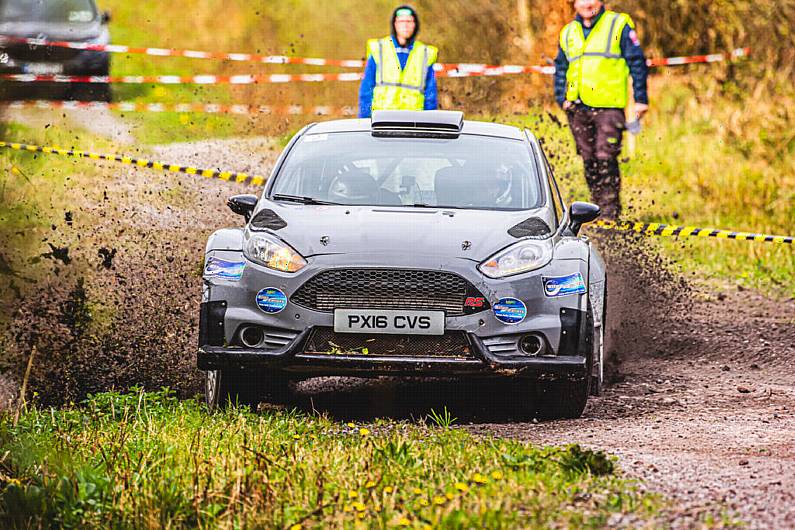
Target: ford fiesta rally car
x=416, y=244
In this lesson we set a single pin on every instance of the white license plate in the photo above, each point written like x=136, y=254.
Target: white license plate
x=389, y=321
x=43, y=68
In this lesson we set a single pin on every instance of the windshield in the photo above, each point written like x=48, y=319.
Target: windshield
x=355, y=168
x=72, y=11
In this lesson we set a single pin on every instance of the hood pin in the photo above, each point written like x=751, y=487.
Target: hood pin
x=466, y=245
x=324, y=240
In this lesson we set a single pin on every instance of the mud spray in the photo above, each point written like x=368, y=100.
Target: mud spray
x=108, y=295
x=121, y=312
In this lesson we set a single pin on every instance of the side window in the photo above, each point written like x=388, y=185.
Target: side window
x=553, y=185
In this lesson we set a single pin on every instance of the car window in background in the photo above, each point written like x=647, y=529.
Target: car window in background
x=63, y=11
x=467, y=172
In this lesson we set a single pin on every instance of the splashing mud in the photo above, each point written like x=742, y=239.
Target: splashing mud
x=131, y=319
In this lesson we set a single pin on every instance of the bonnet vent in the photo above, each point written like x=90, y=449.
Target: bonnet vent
x=267, y=220
x=533, y=227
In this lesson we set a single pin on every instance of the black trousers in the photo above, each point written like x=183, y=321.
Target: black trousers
x=598, y=134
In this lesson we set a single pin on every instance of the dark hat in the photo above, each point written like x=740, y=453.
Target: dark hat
x=401, y=11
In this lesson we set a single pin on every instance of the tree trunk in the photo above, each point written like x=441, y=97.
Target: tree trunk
x=525, y=37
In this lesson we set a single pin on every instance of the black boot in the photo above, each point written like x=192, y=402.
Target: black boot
x=607, y=189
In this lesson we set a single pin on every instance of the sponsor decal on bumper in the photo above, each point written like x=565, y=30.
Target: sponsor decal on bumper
x=223, y=269
x=271, y=300
x=510, y=311
x=564, y=285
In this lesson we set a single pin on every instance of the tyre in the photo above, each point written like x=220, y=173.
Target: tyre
x=244, y=388
x=551, y=400
x=230, y=387
x=561, y=399
x=565, y=397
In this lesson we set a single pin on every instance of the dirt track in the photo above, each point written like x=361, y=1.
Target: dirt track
x=703, y=407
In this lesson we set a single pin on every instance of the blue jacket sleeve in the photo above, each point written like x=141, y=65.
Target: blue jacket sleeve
x=366, y=89
x=561, y=67
x=431, y=98
x=632, y=52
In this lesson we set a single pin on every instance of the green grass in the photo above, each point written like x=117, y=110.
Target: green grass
x=31, y=181
x=149, y=460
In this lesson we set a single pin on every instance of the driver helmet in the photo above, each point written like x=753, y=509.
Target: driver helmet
x=353, y=187
x=496, y=184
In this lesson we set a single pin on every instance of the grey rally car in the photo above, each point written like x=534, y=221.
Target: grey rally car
x=409, y=244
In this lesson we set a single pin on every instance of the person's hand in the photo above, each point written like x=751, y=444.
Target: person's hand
x=567, y=104
x=640, y=110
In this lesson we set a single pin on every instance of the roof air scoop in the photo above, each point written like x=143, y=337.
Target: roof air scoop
x=417, y=124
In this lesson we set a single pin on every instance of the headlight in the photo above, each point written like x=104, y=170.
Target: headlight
x=273, y=254
x=522, y=257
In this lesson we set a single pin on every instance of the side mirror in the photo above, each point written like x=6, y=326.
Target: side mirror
x=242, y=205
x=105, y=17
x=581, y=213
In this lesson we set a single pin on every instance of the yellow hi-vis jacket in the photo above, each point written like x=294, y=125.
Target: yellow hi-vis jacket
x=396, y=88
x=598, y=74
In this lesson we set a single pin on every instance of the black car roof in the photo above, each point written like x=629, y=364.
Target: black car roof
x=470, y=127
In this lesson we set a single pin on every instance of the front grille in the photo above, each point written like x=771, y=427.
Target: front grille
x=327, y=341
x=390, y=289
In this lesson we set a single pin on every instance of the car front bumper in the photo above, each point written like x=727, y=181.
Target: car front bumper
x=293, y=360
x=492, y=347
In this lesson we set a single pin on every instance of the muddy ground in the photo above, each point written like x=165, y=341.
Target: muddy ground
x=701, y=406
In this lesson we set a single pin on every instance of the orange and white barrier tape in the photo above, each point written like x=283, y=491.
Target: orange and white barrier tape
x=191, y=54
x=694, y=59
x=207, y=108
x=241, y=57
x=246, y=79
x=252, y=79
x=463, y=69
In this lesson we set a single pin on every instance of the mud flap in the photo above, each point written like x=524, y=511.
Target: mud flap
x=576, y=337
x=211, y=323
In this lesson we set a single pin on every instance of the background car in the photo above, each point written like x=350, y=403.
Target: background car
x=413, y=244
x=53, y=20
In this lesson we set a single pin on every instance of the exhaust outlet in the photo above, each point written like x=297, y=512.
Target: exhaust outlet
x=252, y=336
x=532, y=345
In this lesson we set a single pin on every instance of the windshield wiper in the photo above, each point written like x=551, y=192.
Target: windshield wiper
x=299, y=198
x=423, y=205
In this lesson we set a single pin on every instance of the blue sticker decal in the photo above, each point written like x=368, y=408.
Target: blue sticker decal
x=564, y=285
x=510, y=310
x=271, y=300
x=223, y=269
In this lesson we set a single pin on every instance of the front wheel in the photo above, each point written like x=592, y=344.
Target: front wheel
x=244, y=388
x=552, y=400
x=230, y=387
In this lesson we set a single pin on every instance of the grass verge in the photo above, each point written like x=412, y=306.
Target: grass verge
x=149, y=460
